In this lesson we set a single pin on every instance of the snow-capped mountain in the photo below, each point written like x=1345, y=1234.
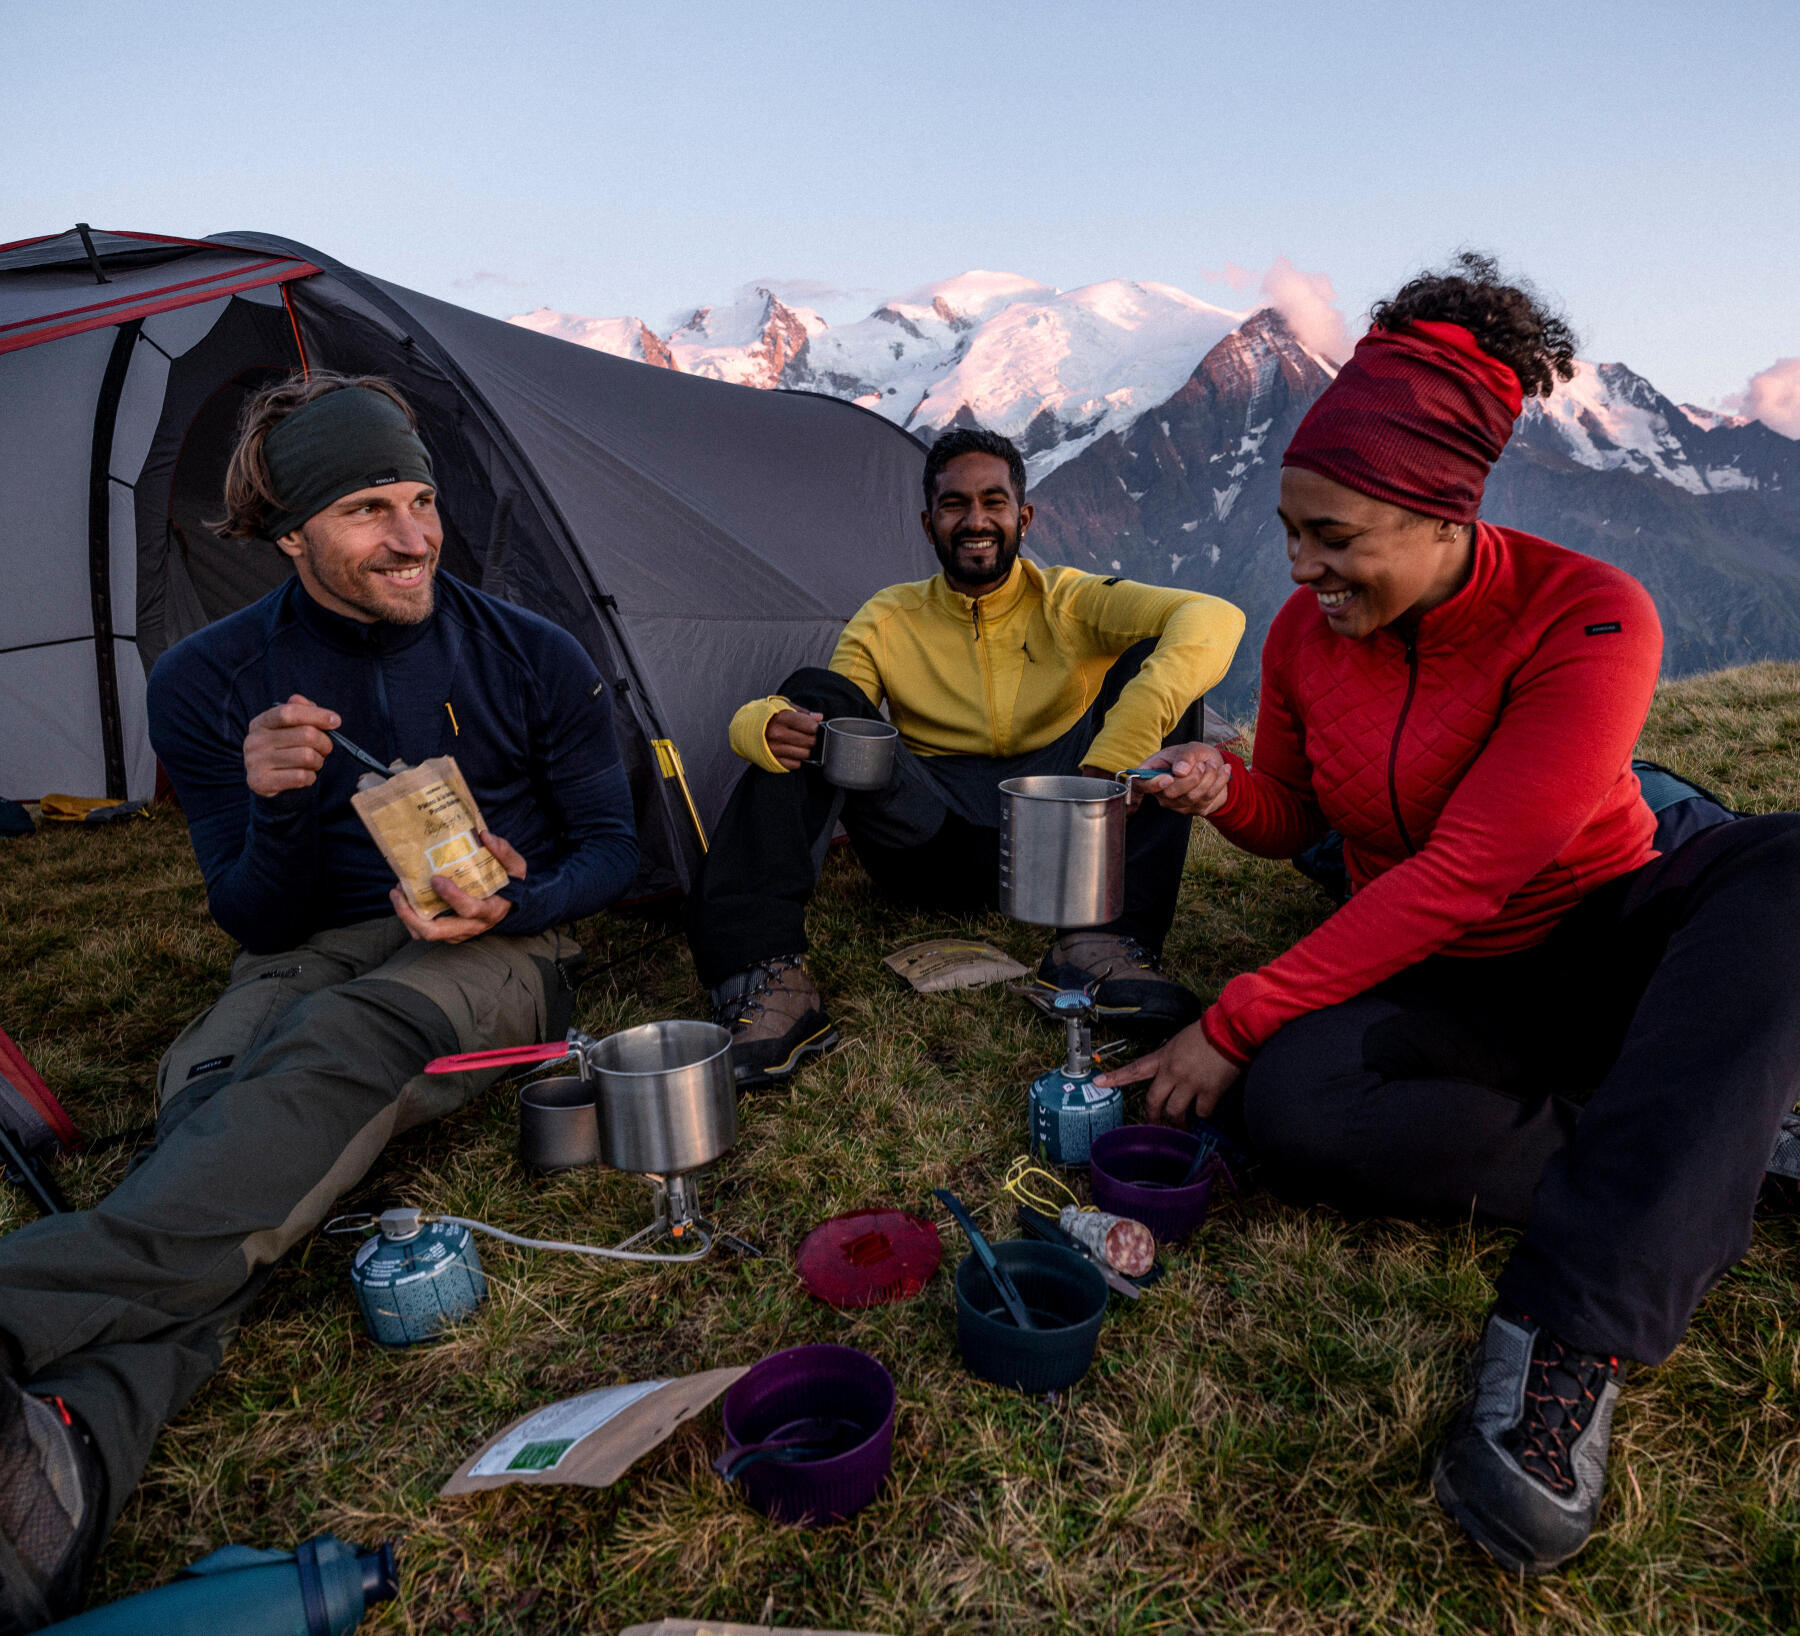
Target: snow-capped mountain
x=1610, y=419
x=1057, y=370
x=1052, y=369
x=1153, y=424
x=622, y=337
x=1186, y=496
x=752, y=342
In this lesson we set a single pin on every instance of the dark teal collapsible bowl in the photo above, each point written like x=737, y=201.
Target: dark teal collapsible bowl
x=1066, y=1297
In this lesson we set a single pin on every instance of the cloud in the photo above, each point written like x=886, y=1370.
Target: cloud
x=489, y=281
x=1239, y=278
x=1309, y=304
x=1773, y=397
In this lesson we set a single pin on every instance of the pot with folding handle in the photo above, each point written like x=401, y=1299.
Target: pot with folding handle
x=666, y=1103
x=1062, y=850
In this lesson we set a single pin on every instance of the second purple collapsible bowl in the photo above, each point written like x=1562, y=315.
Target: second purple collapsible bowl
x=1125, y=1158
x=807, y=1383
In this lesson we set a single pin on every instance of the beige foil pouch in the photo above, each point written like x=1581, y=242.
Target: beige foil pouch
x=951, y=962
x=426, y=823
x=590, y=1440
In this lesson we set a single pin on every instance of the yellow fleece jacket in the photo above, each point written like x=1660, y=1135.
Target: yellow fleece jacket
x=1012, y=671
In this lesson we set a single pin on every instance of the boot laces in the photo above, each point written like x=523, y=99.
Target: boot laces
x=741, y=1008
x=1137, y=958
x=1139, y=955
x=1562, y=1393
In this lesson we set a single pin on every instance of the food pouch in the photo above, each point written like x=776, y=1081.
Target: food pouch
x=426, y=823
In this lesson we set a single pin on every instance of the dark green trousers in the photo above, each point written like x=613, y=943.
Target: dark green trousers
x=271, y=1105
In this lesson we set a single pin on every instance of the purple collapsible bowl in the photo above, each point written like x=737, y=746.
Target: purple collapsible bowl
x=1129, y=1155
x=802, y=1383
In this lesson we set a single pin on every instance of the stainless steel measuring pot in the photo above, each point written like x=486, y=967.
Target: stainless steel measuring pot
x=856, y=754
x=1062, y=850
x=668, y=1098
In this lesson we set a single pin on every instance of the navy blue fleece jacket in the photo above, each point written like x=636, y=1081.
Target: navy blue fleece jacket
x=513, y=697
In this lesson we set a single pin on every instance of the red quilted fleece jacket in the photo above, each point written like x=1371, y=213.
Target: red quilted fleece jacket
x=1480, y=774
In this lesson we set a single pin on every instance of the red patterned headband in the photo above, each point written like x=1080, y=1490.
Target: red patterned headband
x=1416, y=418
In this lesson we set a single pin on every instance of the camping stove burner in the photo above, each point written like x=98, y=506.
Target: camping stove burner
x=676, y=1202
x=1066, y=1110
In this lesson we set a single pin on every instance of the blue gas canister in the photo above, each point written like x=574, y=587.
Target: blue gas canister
x=1067, y=1110
x=415, y=1278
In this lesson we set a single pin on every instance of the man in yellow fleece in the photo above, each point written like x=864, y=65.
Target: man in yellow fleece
x=994, y=668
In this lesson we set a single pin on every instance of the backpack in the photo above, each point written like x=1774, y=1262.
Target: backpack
x=33, y=1126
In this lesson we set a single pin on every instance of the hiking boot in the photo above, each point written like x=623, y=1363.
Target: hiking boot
x=1129, y=985
x=50, y=1506
x=1780, y=1192
x=776, y=1018
x=1523, y=1467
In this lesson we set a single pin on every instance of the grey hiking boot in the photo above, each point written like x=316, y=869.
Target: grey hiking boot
x=1784, y=1157
x=1525, y=1464
x=1133, y=990
x=50, y=1509
x=776, y=1017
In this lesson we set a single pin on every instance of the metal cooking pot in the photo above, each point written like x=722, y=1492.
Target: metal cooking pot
x=668, y=1098
x=1062, y=850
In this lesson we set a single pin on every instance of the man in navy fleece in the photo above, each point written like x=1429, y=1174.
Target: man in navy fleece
x=277, y=1099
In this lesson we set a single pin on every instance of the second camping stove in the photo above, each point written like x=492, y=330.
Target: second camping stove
x=1066, y=1109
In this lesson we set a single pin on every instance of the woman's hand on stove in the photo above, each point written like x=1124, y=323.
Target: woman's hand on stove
x=1187, y=1075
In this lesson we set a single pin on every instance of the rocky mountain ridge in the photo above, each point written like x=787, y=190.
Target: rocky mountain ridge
x=1053, y=369
x=1706, y=515
x=1153, y=425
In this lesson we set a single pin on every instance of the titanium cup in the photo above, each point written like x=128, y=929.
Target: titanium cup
x=1062, y=850
x=558, y=1129
x=856, y=754
x=668, y=1098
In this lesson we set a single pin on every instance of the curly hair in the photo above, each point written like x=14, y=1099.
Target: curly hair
x=960, y=440
x=250, y=497
x=1509, y=321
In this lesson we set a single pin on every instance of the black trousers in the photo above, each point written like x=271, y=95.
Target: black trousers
x=931, y=838
x=1614, y=1092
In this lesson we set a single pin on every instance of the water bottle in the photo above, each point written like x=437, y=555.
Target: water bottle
x=322, y=1589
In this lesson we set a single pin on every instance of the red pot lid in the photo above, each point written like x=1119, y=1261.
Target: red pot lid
x=870, y=1257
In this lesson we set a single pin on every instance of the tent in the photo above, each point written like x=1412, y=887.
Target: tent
x=699, y=539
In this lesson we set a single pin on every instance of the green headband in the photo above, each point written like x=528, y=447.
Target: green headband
x=347, y=440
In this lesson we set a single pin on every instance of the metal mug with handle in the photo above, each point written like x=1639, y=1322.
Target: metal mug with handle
x=855, y=753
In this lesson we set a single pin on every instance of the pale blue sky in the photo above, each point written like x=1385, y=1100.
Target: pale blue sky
x=1641, y=161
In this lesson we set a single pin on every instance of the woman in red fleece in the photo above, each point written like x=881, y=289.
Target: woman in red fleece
x=1523, y=1010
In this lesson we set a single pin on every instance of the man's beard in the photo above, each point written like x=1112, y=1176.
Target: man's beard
x=366, y=591
x=949, y=558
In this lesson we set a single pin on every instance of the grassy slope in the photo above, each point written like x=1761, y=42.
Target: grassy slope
x=1249, y=1453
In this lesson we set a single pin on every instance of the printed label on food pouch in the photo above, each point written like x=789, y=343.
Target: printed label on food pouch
x=426, y=823
x=540, y=1442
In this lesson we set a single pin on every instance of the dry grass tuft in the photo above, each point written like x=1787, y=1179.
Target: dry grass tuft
x=1249, y=1453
